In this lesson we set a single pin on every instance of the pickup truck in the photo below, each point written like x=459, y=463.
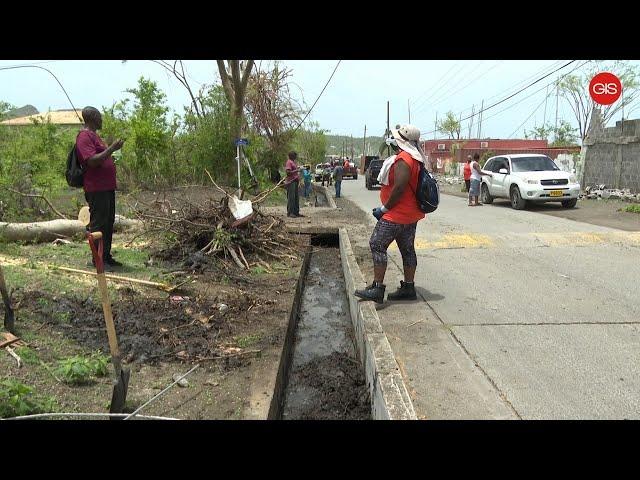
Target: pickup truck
x=350, y=171
x=371, y=173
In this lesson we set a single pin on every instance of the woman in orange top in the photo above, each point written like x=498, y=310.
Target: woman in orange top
x=467, y=172
x=398, y=216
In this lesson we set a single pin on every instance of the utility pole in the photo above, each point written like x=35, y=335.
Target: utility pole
x=352, y=148
x=409, y=109
x=388, y=131
x=364, y=146
x=473, y=107
x=544, y=120
x=480, y=119
x=435, y=127
x=555, y=129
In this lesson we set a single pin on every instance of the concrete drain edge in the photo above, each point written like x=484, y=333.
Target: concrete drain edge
x=389, y=395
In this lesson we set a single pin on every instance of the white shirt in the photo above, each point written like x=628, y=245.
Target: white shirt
x=475, y=175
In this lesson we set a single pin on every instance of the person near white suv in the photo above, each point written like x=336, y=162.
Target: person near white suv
x=476, y=179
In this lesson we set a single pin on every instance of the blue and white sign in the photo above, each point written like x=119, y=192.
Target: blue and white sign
x=242, y=141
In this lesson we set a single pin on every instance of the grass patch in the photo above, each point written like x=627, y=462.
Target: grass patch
x=28, y=355
x=248, y=340
x=631, y=208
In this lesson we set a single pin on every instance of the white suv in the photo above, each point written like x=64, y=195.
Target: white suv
x=526, y=178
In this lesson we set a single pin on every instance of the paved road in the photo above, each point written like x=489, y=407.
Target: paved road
x=522, y=315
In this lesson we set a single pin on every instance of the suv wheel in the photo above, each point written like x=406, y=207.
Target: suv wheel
x=570, y=203
x=517, y=202
x=485, y=196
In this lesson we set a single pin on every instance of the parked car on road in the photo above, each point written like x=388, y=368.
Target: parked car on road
x=371, y=174
x=526, y=178
x=317, y=174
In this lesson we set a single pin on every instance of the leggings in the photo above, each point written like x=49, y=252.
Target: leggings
x=386, y=232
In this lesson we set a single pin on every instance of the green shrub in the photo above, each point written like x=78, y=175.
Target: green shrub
x=17, y=399
x=79, y=370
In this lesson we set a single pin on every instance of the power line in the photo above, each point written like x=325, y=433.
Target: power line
x=314, y=103
x=532, y=94
x=433, y=86
x=52, y=74
x=511, y=88
x=520, y=82
x=532, y=114
x=444, y=84
x=445, y=93
x=472, y=81
x=519, y=91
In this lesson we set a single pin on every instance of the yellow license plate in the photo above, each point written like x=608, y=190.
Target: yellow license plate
x=555, y=193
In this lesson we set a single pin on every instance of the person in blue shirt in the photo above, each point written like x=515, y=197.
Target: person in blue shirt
x=306, y=175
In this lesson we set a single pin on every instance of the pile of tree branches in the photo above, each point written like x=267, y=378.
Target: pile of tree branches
x=199, y=233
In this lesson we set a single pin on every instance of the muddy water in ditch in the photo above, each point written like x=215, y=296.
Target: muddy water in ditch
x=326, y=380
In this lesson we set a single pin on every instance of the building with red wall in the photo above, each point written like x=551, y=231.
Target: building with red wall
x=439, y=152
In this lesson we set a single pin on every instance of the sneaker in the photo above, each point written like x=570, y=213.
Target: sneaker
x=407, y=291
x=374, y=292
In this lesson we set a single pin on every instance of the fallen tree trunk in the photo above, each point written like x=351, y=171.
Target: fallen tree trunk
x=52, y=229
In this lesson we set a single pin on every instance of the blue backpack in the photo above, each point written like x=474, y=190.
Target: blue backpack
x=427, y=191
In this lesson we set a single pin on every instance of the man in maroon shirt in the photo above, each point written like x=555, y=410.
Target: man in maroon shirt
x=293, y=202
x=99, y=178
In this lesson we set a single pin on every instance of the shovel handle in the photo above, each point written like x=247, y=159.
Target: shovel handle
x=96, y=250
x=108, y=318
x=104, y=296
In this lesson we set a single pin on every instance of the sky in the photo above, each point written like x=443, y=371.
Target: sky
x=356, y=96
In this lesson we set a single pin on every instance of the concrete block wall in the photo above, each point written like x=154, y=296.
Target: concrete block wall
x=612, y=157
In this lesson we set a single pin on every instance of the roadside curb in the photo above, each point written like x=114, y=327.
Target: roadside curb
x=325, y=191
x=389, y=395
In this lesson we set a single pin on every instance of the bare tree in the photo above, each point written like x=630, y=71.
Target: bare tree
x=271, y=109
x=575, y=89
x=177, y=70
x=234, y=76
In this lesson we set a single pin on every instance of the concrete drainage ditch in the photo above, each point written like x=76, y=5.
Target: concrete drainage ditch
x=325, y=380
x=336, y=362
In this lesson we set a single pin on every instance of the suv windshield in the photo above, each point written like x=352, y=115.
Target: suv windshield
x=533, y=164
x=375, y=164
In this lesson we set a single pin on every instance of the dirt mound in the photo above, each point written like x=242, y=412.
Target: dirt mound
x=152, y=329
